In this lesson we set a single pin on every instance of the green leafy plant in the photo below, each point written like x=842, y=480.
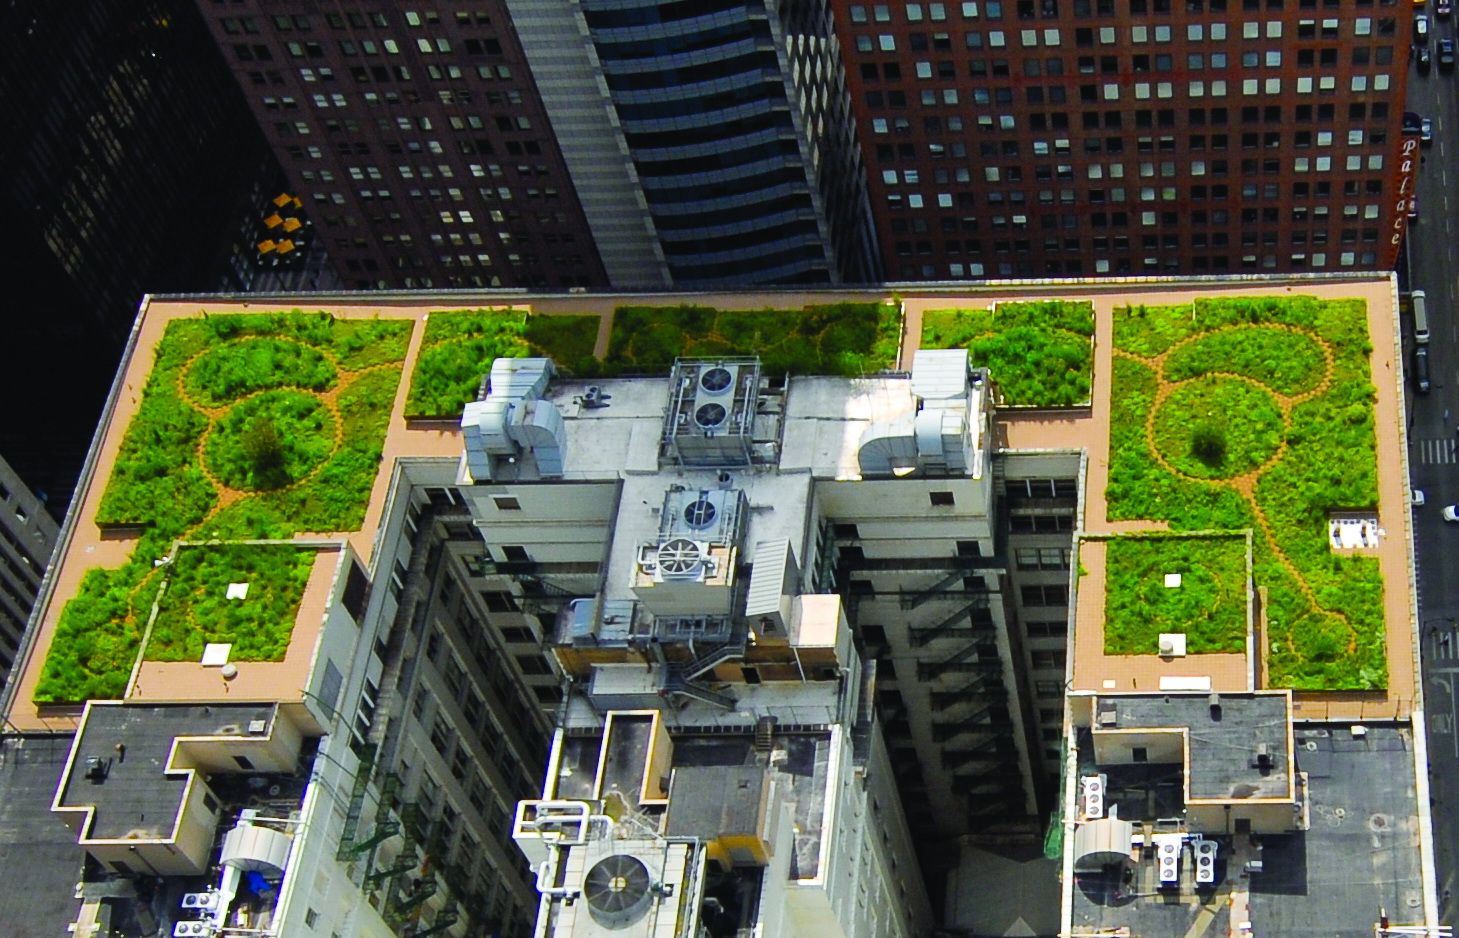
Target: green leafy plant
x=1217, y=427
x=235, y=369
x=1324, y=614
x=1209, y=605
x=158, y=482
x=194, y=609
x=456, y=353
x=270, y=440
x=1039, y=354
x=837, y=339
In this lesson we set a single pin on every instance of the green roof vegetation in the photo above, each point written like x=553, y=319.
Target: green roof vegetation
x=1040, y=354
x=1195, y=441
x=459, y=347
x=1209, y=605
x=194, y=609
x=251, y=426
x=838, y=339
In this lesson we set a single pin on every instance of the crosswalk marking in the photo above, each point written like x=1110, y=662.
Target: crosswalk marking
x=1437, y=452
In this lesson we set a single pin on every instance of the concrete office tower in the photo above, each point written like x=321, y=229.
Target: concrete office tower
x=880, y=490
x=561, y=144
x=27, y=538
x=718, y=764
x=1048, y=138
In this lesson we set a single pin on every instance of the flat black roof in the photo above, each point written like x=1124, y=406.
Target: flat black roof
x=38, y=851
x=1223, y=744
x=1359, y=856
x=133, y=796
x=1361, y=852
x=803, y=771
x=709, y=801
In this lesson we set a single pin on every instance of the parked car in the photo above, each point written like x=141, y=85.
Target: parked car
x=1446, y=55
x=1412, y=123
x=1451, y=512
x=1421, y=368
x=1422, y=57
x=1426, y=131
x=1421, y=28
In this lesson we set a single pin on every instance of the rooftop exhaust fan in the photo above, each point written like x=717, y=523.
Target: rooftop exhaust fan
x=618, y=889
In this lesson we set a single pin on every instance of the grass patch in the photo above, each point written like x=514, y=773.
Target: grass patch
x=1325, y=627
x=1039, y=354
x=195, y=611
x=1217, y=427
x=1286, y=362
x=840, y=339
x=239, y=368
x=1209, y=606
x=270, y=441
x=568, y=341
x=459, y=347
x=158, y=482
x=456, y=351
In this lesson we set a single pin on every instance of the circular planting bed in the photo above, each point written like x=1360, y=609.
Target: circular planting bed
x=1218, y=428
x=270, y=441
x=243, y=366
x=1285, y=360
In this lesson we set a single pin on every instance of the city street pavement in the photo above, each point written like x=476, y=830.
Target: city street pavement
x=1433, y=429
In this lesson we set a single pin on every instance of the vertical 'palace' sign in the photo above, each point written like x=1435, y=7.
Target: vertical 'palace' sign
x=1405, y=182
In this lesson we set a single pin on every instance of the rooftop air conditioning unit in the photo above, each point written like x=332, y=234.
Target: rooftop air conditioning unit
x=1093, y=789
x=1167, y=856
x=1205, y=861
x=682, y=559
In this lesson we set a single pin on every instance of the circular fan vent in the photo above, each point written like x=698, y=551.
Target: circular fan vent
x=716, y=380
x=700, y=513
x=679, y=556
x=709, y=416
x=617, y=889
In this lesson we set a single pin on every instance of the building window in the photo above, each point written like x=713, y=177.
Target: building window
x=506, y=503
x=1035, y=594
x=513, y=553
x=941, y=499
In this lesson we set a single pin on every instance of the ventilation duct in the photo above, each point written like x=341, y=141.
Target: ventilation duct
x=513, y=421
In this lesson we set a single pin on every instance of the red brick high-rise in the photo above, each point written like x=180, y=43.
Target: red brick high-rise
x=1077, y=138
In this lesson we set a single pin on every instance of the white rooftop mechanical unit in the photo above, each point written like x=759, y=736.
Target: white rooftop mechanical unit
x=938, y=437
x=1092, y=788
x=711, y=417
x=689, y=569
x=513, y=426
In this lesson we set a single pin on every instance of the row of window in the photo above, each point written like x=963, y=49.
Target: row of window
x=860, y=13
x=1328, y=29
x=1074, y=267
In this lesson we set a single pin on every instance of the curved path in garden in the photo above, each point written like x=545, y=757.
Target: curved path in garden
x=1089, y=430
x=85, y=545
x=1244, y=483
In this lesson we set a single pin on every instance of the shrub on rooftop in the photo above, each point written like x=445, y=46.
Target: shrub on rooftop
x=1038, y=353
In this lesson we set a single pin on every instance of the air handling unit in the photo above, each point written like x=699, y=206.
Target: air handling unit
x=941, y=436
x=512, y=433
